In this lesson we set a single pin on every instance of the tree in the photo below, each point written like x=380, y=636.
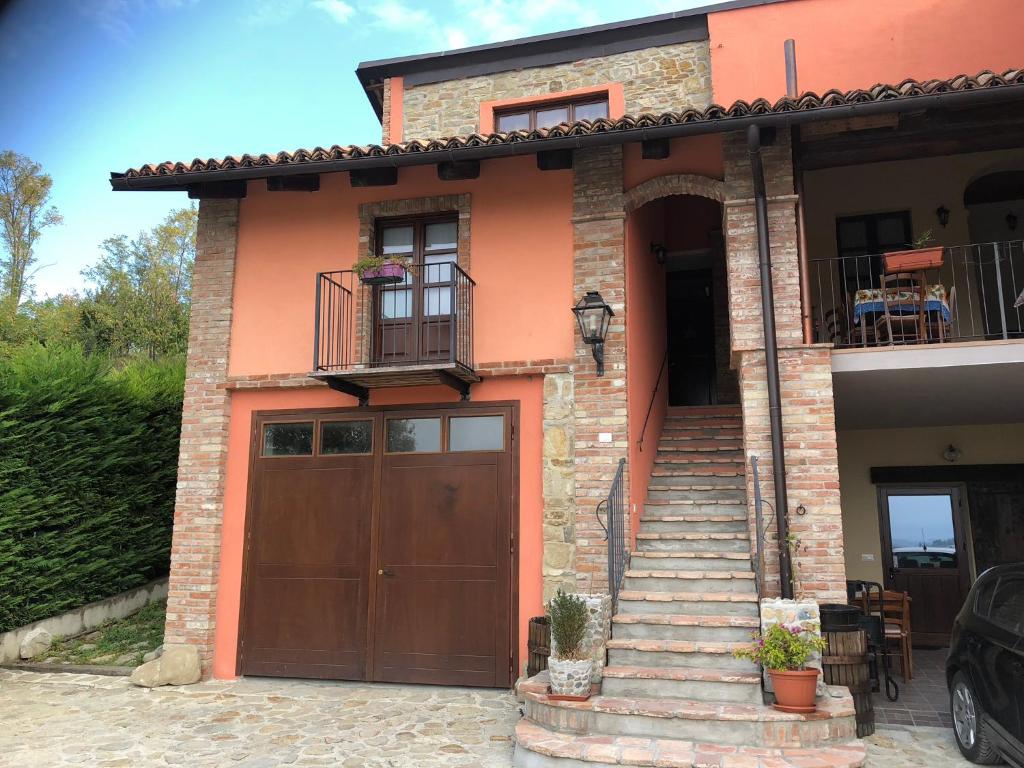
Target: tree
x=24, y=214
x=141, y=290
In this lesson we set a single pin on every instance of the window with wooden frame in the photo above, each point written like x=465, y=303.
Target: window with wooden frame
x=861, y=241
x=529, y=118
x=415, y=319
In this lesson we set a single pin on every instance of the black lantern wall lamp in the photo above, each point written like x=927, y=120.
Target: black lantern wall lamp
x=594, y=315
x=942, y=214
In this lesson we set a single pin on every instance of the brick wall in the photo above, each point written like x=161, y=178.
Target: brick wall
x=600, y=403
x=195, y=548
x=808, y=411
x=659, y=79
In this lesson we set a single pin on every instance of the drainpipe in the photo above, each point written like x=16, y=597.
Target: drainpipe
x=793, y=92
x=771, y=359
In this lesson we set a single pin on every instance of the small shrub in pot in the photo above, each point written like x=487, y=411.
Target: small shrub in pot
x=784, y=651
x=569, y=666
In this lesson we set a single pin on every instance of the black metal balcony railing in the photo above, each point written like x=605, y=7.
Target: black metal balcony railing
x=426, y=319
x=969, y=298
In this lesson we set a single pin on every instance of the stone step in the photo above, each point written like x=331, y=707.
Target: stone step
x=668, y=626
x=695, y=523
x=693, y=542
x=703, y=506
x=690, y=561
x=717, y=654
x=633, y=602
x=708, y=486
x=688, y=581
x=695, y=471
x=730, y=460
x=541, y=747
x=682, y=683
x=682, y=427
x=696, y=442
x=685, y=411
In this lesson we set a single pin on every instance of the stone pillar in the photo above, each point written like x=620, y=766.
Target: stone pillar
x=599, y=265
x=559, y=485
x=808, y=409
x=198, y=510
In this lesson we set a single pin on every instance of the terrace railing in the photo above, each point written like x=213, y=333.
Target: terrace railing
x=427, y=319
x=969, y=298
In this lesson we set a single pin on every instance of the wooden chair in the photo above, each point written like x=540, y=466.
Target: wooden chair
x=938, y=326
x=895, y=614
x=897, y=324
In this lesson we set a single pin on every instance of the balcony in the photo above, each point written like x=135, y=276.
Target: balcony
x=411, y=333
x=970, y=298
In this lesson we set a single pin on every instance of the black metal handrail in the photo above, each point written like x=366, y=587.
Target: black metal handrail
x=615, y=532
x=426, y=318
x=650, y=405
x=969, y=298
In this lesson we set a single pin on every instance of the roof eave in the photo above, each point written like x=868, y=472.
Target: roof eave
x=974, y=97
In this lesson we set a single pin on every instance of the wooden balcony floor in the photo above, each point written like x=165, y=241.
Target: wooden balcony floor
x=359, y=381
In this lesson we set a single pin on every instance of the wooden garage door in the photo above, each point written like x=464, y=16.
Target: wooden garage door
x=379, y=546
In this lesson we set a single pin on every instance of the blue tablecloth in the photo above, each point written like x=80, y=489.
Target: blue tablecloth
x=931, y=305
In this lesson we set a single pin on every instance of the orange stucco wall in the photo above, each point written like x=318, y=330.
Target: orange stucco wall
x=521, y=245
x=396, y=103
x=646, y=338
x=849, y=44
x=699, y=155
x=527, y=390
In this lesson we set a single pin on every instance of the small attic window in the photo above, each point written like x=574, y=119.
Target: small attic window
x=550, y=114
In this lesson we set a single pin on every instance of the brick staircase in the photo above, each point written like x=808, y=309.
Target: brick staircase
x=673, y=695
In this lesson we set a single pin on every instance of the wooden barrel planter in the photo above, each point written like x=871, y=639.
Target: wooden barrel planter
x=538, y=645
x=845, y=660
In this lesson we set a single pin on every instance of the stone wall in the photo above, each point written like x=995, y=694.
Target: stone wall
x=598, y=265
x=662, y=79
x=808, y=410
x=559, y=485
x=199, y=504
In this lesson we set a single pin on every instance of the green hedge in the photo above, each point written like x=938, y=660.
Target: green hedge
x=88, y=462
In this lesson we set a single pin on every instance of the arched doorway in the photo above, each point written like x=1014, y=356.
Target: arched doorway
x=675, y=225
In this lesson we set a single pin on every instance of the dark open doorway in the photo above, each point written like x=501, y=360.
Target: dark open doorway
x=691, y=338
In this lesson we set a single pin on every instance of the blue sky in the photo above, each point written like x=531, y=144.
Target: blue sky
x=92, y=86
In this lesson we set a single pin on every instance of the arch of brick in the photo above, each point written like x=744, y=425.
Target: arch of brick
x=674, y=184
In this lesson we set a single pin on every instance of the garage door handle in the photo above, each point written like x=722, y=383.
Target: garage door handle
x=385, y=572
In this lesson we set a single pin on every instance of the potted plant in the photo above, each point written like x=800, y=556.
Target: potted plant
x=784, y=652
x=568, y=666
x=922, y=255
x=381, y=270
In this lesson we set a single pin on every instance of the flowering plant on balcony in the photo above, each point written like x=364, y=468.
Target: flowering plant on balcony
x=381, y=270
x=782, y=648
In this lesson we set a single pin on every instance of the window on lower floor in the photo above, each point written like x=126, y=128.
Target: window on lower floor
x=551, y=114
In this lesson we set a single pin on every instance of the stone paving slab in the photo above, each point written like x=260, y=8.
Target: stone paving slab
x=89, y=720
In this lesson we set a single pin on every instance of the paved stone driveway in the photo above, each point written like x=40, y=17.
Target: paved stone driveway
x=84, y=720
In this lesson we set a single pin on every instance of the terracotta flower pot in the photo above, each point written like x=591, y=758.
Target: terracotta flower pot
x=911, y=261
x=385, y=274
x=794, y=689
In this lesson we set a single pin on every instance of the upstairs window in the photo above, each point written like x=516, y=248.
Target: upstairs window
x=550, y=114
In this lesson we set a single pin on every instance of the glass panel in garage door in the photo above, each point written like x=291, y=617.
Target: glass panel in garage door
x=476, y=433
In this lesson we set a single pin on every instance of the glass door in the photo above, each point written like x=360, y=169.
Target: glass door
x=924, y=556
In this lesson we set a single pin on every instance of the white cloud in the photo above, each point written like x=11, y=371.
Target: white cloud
x=337, y=9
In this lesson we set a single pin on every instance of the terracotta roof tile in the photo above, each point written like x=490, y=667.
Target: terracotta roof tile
x=807, y=102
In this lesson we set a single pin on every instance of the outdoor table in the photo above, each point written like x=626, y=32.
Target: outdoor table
x=902, y=301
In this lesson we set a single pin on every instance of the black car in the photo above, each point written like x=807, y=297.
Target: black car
x=985, y=669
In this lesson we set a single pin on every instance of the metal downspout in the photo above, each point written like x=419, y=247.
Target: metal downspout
x=771, y=359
